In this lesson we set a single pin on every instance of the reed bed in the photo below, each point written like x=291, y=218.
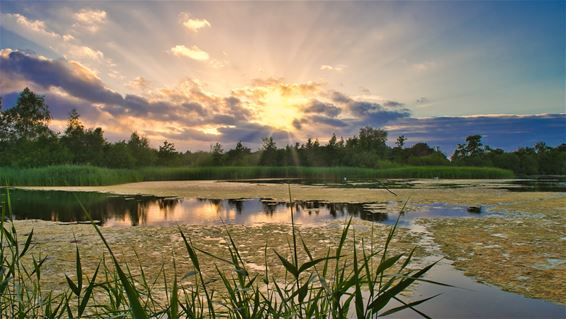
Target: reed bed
x=69, y=175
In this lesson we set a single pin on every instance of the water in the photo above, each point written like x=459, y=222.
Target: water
x=470, y=300
x=120, y=210
x=540, y=184
x=474, y=300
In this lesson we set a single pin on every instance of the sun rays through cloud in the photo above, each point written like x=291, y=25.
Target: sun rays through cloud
x=198, y=73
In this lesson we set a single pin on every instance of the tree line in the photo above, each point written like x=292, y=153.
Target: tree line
x=27, y=141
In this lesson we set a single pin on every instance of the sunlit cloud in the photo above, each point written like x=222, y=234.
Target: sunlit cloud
x=86, y=52
x=12, y=21
x=193, y=24
x=139, y=84
x=65, y=44
x=193, y=52
x=89, y=19
x=35, y=25
x=424, y=66
x=337, y=68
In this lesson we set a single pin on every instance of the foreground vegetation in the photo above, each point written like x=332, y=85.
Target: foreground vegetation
x=27, y=141
x=332, y=286
x=70, y=175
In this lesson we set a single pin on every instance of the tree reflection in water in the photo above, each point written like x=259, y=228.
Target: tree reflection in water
x=147, y=210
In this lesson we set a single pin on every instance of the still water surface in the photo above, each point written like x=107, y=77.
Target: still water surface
x=120, y=210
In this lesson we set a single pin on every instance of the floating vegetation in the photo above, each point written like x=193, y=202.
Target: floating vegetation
x=141, y=274
x=530, y=258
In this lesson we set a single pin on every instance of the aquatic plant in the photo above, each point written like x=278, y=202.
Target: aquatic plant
x=331, y=286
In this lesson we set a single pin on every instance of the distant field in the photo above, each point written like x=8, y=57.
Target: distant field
x=91, y=176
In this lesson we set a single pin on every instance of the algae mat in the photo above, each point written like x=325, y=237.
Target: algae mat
x=279, y=192
x=155, y=247
x=520, y=251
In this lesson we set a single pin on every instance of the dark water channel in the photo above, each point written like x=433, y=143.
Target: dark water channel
x=538, y=184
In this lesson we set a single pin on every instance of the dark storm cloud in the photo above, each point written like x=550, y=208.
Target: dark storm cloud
x=393, y=104
x=319, y=107
x=503, y=131
x=325, y=120
x=223, y=119
x=77, y=82
x=373, y=114
x=340, y=98
x=234, y=106
x=250, y=133
x=57, y=73
x=194, y=107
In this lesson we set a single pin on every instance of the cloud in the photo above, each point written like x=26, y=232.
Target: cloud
x=38, y=31
x=139, y=83
x=423, y=66
x=337, y=68
x=499, y=131
x=72, y=85
x=35, y=25
x=193, y=24
x=15, y=21
x=340, y=98
x=325, y=120
x=191, y=116
x=86, y=52
x=252, y=133
x=193, y=52
x=237, y=116
x=328, y=109
x=89, y=19
x=73, y=77
x=393, y=104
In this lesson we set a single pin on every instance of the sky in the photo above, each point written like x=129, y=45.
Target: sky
x=197, y=73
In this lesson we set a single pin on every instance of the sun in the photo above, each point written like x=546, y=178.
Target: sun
x=280, y=110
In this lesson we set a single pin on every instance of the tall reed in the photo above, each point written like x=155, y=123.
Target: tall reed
x=69, y=175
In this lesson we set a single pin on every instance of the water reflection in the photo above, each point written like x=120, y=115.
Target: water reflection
x=113, y=210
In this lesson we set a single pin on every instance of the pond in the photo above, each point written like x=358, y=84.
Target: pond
x=121, y=210
x=539, y=184
x=470, y=300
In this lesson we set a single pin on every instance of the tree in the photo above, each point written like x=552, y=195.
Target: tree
x=400, y=141
x=118, y=156
x=217, y=153
x=472, y=153
x=268, y=151
x=239, y=155
x=29, y=118
x=373, y=140
x=167, y=153
x=87, y=146
x=141, y=151
x=75, y=124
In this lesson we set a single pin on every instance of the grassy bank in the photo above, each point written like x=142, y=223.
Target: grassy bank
x=94, y=176
x=67, y=175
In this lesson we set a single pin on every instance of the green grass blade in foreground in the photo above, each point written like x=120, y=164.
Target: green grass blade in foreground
x=136, y=309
